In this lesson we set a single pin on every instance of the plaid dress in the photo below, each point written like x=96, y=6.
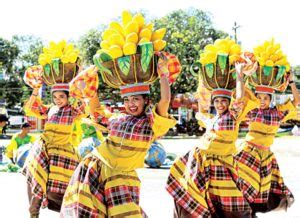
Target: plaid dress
x=105, y=183
x=205, y=181
x=52, y=159
x=261, y=181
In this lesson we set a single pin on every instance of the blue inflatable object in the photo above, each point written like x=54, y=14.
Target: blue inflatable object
x=87, y=145
x=156, y=155
x=23, y=152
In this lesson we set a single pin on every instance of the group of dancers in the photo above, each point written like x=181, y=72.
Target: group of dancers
x=214, y=179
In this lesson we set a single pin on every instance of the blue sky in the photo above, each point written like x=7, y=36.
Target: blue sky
x=57, y=19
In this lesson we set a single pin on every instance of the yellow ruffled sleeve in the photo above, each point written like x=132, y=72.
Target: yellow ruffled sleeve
x=240, y=108
x=203, y=118
x=100, y=113
x=36, y=108
x=161, y=125
x=9, y=151
x=32, y=139
x=291, y=110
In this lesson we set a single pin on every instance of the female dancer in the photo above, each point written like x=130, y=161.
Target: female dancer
x=105, y=183
x=262, y=183
x=204, y=182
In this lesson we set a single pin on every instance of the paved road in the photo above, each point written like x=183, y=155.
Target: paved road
x=154, y=199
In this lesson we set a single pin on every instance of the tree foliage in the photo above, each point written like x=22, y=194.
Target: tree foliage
x=188, y=32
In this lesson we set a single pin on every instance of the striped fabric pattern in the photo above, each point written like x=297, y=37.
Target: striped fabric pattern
x=64, y=116
x=132, y=128
x=223, y=122
x=106, y=183
x=49, y=169
x=270, y=116
x=205, y=184
x=37, y=107
x=96, y=190
x=52, y=160
x=261, y=181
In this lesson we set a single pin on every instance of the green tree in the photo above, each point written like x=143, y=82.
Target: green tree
x=188, y=32
x=30, y=48
x=8, y=54
x=89, y=44
x=9, y=86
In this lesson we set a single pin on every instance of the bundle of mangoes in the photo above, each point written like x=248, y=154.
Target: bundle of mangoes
x=270, y=54
x=225, y=46
x=61, y=50
x=121, y=39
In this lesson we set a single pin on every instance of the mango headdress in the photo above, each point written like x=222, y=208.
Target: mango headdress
x=272, y=70
x=60, y=64
x=217, y=67
x=129, y=54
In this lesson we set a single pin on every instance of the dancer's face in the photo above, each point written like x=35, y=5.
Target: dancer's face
x=265, y=100
x=2, y=123
x=221, y=104
x=135, y=104
x=26, y=130
x=60, y=98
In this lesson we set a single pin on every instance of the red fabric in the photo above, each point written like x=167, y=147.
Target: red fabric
x=264, y=89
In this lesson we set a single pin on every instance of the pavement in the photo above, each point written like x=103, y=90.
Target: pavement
x=155, y=201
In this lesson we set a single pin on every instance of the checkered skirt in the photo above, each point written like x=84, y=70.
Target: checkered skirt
x=49, y=168
x=95, y=190
x=261, y=182
x=207, y=185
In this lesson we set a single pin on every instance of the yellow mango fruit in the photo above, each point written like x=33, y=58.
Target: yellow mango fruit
x=269, y=63
x=159, y=45
x=116, y=26
x=233, y=58
x=274, y=57
x=65, y=59
x=129, y=48
x=62, y=44
x=145, y=33
x=108, y=33
x=149, y=26
x=115, y=51
x=158, y=34
x=139, y=19
x=126, y=18
x=143, y=40
x=210, y=48
x=203, y=61
x=131, y=27
x=211, y=57
x=235, y=49
x=132, y=37
x=281, y=62
x=105, y=44
x=116, y=39
x=68, y=47
x=42, y=59
x=72, y=57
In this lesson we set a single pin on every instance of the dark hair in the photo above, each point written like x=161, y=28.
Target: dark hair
x=64, y=91
x=3, y=118
x=256, y=95
x=214, y=97
x=25, y=125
